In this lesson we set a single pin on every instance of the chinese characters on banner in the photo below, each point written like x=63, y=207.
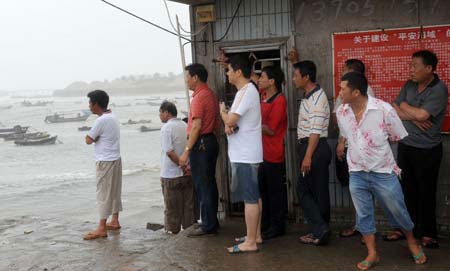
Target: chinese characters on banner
x=387, y=55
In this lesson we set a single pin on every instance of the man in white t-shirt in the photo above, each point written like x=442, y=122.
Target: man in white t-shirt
x=105, y=134
x=243, y=127
x=177, y=187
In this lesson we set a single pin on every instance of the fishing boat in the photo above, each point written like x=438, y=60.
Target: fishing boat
x=148, y=129
x=38, y=103
x=37, y=135
x=84, y=128
x=15, y=129
x=60, y=117
x=132, y=122
x=34, y=142
x=5, y=107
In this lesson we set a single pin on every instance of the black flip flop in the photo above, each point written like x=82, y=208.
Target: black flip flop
x=399, y=234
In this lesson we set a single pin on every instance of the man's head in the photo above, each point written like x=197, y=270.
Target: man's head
x=196, y=74
x=271, y=77
x=423, y=65
x=353, y=87
x=353, y=65
x=239, y=69
x=167, y=110
x=304, y=73
x=98, y=101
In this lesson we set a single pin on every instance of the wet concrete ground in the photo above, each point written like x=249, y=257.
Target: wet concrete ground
x=57, y=245
x=286, y=253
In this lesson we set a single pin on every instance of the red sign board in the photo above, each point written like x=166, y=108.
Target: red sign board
x=387, y=55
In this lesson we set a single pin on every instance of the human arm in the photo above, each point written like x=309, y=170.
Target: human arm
x=193, y=137
x=277, y=116
x=173, y=157
x=340, y=149
x=313, y=141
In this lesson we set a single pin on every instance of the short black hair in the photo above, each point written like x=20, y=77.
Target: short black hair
x=276, y=74
x=170, y=107
x=238, y=62
x=307, y=67
x=199, y=70
x=99, y=97
x=428, y=58
x=356, y=80
x=355, y=65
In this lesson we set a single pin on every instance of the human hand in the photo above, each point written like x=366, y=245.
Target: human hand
x=423, y=125
x=223, y=107
x=306, y=165
x=293, y=55
x=182, y=161
x=340, y=151
x=228, y=130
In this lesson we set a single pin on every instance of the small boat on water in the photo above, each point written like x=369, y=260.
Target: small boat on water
x=5, y=107
x=38, y=103
x=84, y=128
x=154, y=103
x=59, y=118
x=34, y=142
x=132, y=122
x=37, y=135
x=16, y=129
x=148, y=129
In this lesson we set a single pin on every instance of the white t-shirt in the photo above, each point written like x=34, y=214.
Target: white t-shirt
x=173, y=138
x=106, y=133
x=245, y=146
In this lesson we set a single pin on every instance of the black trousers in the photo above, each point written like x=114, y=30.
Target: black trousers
x=313, y=188
x=272, y=189
x=203, y=158
x=420, y=170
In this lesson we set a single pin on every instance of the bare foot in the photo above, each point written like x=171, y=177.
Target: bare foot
x=369, y=262
x=244, y=247
x=112, y=226
x=95, y=235
x=417, y=254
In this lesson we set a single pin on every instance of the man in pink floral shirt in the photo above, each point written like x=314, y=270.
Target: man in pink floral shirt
x=369, y=124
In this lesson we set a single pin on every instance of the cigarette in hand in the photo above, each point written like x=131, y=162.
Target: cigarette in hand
x=303, y=174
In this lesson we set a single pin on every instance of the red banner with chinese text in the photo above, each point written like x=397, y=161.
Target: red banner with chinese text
x=387, y=55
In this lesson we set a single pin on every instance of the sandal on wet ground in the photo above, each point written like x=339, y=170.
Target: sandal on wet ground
x=309, y=239
x=348, y=232
x=110, y=227
x=429, y=243
x=94, y=235
x=420, y=258
x=394, y=236
x=236, y=250
x=366, y=265
x=242, y=239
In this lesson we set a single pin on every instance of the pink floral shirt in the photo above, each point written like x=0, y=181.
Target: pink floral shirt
x=369, y=149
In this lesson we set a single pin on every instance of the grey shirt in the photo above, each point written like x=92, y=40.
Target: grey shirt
x=434, y=100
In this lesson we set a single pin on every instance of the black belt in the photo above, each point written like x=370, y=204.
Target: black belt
x=306, y=139
x=206, y=135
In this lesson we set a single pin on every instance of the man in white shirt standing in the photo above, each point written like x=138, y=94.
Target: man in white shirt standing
x=243, y=127
x=368, y=124
x=177, y=188
x=106, y=135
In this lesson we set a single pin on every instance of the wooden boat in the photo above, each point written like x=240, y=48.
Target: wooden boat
x=84, y=128
x=37, y=135
x=59, y=118
x=132, y=122
x=5, y=107
x=38, y=103
x=34, y=142
x=148, y=129
x=15, y=129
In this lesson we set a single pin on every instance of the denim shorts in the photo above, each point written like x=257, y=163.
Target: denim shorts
x=244, y=183
x=386, y=189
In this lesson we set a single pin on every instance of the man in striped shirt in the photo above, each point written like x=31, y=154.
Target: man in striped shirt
x=314, y=154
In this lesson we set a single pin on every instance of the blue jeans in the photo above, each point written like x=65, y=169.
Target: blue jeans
x=386, y=189
x=203, y=158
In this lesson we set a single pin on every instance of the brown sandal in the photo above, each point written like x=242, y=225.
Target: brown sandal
x=94, y=235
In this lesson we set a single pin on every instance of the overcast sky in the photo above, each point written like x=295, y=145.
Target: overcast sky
x=48, y=44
